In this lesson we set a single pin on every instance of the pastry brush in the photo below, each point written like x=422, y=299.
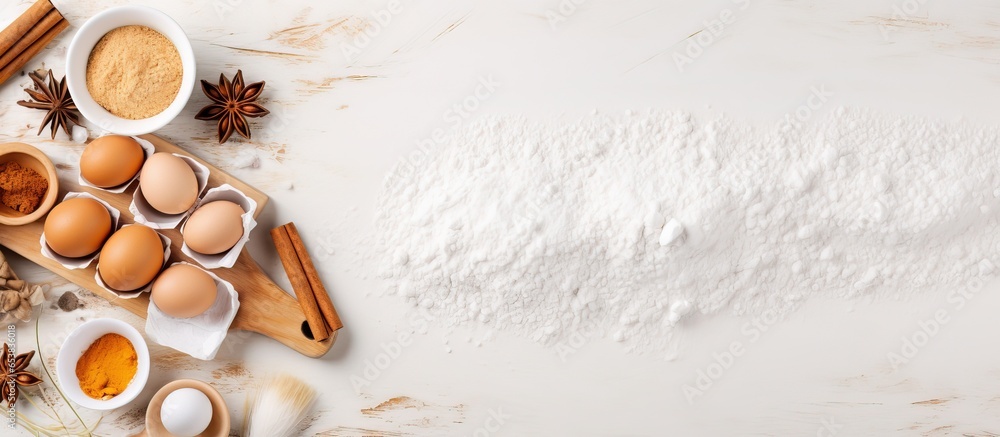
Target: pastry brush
x=278, y=407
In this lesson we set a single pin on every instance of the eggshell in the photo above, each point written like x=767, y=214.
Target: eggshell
x=77, y=227
x=214, y=227
x=168, y=183
x=131, y=258
x=184, y=291
x=111, y=160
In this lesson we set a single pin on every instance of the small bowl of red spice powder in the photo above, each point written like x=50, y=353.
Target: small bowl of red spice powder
x=28, y=184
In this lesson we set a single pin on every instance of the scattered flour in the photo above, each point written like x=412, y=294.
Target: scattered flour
x=633, y=223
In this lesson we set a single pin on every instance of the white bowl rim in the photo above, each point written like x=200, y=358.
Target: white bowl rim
x=66, y=365
x=95, y=28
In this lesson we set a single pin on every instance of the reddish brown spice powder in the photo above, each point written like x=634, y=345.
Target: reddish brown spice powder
x=22, y=188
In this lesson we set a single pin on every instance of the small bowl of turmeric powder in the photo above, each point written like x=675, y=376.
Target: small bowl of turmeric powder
x=28, y=184
x=103, y=364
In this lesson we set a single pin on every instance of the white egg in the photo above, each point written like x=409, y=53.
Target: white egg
x=186, y=412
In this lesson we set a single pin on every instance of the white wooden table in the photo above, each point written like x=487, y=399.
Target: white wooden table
x=345, y=108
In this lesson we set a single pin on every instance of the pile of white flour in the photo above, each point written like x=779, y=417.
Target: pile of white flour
x=623, y=226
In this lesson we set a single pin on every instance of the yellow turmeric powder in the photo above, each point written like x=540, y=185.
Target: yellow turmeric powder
x=107, y=367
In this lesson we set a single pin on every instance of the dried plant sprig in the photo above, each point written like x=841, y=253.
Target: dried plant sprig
x=60, y=428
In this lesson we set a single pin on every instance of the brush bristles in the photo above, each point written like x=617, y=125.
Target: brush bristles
x=279, y=406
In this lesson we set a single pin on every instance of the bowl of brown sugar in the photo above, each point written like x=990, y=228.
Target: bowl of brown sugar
x=130, y=69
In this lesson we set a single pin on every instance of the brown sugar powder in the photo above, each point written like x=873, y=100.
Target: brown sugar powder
x=134, y=72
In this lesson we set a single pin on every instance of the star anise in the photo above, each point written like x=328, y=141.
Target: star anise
x=19, y=377
x=233, y=103
x=53, y=97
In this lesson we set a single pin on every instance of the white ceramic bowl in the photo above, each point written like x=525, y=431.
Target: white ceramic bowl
x=77, y=343
x=88, y=36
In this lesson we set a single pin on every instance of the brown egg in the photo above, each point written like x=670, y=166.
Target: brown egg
x=184, y=291
x=168, y=183
x=111, y=160
x=77, y=227
x=131, y=258
x=214, y=227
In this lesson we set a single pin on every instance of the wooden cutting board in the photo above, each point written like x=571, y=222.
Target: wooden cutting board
x=264, y=307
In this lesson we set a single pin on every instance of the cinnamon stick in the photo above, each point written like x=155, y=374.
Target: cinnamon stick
x=24, y=23
x=47, y=22
x=6, y=71
x=300, y=283
x=319, y=291
x=27, y=36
